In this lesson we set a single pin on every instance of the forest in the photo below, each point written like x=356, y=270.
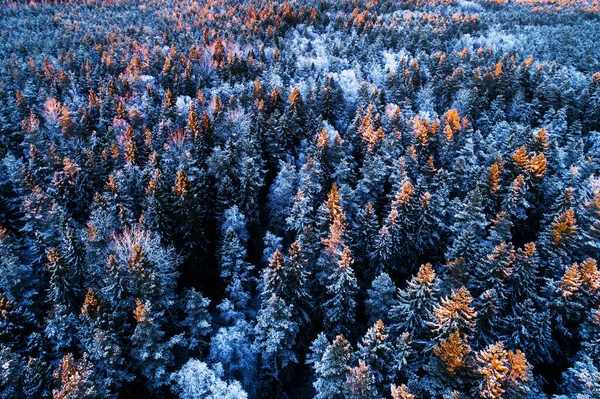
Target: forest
x=330, y=199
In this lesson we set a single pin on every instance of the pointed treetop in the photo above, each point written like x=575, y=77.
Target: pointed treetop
x=521, y=158
x=590, y=276
x=346, y=260
x=295, y=97
x=276, y=262
x=92, y=305
x=537, y=166
x=136, y=257
x=169, y=99
x=495, y=176
x=404, y=195
x=333, y=204
x=581, y=275
x=452, y=120
x=74, y=378
x=492, y=364
x=541, y=142
x=141, y=313
x=295, y=250
x=519, y=367
x=564, y=227
x=130, y=147
x=361, y=382
x=193, y=121
x=501, y=370
x=182, y=184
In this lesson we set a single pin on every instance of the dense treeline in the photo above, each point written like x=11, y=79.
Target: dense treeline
x=358, y=199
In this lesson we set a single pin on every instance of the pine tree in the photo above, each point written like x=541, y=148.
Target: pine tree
x=493, y=366
x=234, y=268
x=591, y=222
x=187, y=216
x=155, y=204
x=281, y=195
x=515, y=203
x=169, y=109
x=414, y=308
x=558, y=241
x=17, y=280
x=101, y=342
x=148, y=347
x=295, y=121
x=361, y=383
x=495, y=270
x=147, y=269
x=296, y=278
x=197, y=320
x=571, y=280
x=300, y=213
x=564, y=228
x=204, y=137
x=130, y=150
x=402, y=225
x=377, y=352
x=523, y=281
x=219, y=54
x=17, y=327
x=581, y=380
x=317, y=349
x=380, y=298
x=193, y=121
x=275, y=336
x=370, y=188
x=469, y=231
x=65, y=121
x=534, y=334
x=332, y=369
x=364, y=236
x=340, y=308
x=65, y=268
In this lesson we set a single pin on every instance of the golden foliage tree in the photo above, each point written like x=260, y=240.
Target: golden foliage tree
x=455, y=314
x=564, y=227
x=74, y=379
x=453, y=352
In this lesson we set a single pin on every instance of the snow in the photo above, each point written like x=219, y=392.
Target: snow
x=317, y=57
x=348, y=82
x=183, y=103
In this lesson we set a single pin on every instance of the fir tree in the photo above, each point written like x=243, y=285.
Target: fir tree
x=275, y=336
x=414, y=308
x=340, y=308
x=148, y=347
x=381, y=298
x=361, y=384
x=332, y=369
x=197, y=318
x=377, y=352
